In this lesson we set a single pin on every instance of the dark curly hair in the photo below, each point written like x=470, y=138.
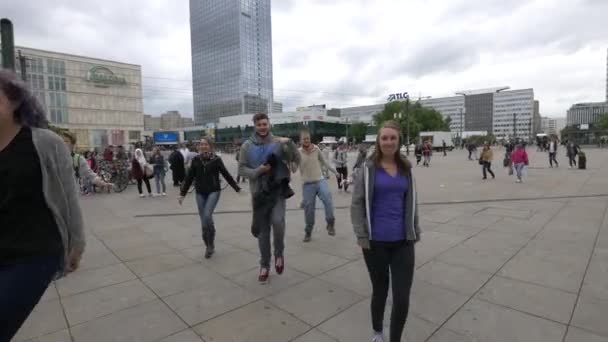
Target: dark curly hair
x=28, y=111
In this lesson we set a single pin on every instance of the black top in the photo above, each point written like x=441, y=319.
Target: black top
x=206, y=175
x=27, y=226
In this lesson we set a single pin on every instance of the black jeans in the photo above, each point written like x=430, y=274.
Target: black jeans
x=552, y=158
x=487, y=166
x=398, y=257
x=342, y=175
x=145, y=180
x=572, y=160
x=22, y=284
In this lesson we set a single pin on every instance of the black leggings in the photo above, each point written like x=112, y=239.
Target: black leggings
x=145, y=180
x=342, y=175
x=399, y=258
x=552, y=158
x=487, y=166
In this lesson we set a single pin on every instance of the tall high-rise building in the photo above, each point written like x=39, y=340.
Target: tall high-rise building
x=231, y=58
x=606, y=75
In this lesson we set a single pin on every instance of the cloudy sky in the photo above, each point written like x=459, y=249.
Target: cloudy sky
x=350, y=52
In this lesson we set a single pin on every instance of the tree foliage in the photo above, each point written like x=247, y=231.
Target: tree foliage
x=358, y=131
x=421, y=119
x=603, y=122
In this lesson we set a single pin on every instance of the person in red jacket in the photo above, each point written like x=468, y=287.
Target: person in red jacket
x=519, y=158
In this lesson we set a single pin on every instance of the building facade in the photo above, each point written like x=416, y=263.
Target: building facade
x=277, y=107
x=452, y=107
x=586, y=113
x=231, y=58
x=152, y=123
x=513, y=114
x=363, y=114
x=167, y=121
x=100, y=101
x=552, y=125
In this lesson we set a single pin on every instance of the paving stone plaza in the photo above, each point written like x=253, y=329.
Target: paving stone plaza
x=498, y=262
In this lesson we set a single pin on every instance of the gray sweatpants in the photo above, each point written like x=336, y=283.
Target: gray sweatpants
x=278, y=231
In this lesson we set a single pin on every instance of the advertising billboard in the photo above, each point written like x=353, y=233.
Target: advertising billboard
x=166, y=138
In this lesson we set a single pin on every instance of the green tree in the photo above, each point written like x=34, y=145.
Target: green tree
x=420, y=119
x=603, y=122
x=358, y=131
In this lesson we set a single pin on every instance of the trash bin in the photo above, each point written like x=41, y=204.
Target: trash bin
x=582, y=161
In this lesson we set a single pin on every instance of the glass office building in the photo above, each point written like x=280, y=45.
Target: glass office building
x=231, y=58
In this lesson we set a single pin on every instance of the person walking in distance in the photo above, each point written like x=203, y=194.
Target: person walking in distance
x=572, y=152
x=314, y=184
x=427, y=151
x=178, y=168
x=41, y=225
x=418, y=153
x=159, y=163
x=253, y=164
x=486, y=160
x=142, y=172
x=205, y=171
x=519, y=159
x=553, y=153
x=445, y=148
x=384, y=216
x=341, y=163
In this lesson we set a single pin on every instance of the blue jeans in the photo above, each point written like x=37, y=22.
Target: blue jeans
x=310, y=191
x=206, y=205
x=22, y=284
x=519, y=167
x=159, y=177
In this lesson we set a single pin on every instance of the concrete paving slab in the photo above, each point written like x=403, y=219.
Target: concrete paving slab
x=314, y=336
x=433, y=303
x=183, y=279
x=146, y=322
x=46, y=318
x=537, y=300
x=491, y=323
x=452, y=277
x=89, y=305
x=590, y=314
x=183, y=336
x=93, y=279
x=579, y=335
x=312, y=262
x=59, y=336
x=214, y=298
x=314, y=300
x=275, y=284
x=156, y=264
x=447, y=335
x=352, y=276
x=258, y=321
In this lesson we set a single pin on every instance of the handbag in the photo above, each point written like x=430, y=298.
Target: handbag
x=480, y=162
x=148, y=171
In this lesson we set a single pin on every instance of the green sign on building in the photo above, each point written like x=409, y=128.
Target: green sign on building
x=104, y=77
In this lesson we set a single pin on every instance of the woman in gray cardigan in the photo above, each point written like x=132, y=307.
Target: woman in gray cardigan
x=384, y=215
x=41, y=229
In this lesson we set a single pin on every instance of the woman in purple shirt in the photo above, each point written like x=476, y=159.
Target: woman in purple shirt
x=384, y=214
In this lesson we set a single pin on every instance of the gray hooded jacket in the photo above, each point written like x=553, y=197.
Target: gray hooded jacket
x=363, y=196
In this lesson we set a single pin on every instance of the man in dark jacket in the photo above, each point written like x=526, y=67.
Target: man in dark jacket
x=176, y=159
x=261, y=156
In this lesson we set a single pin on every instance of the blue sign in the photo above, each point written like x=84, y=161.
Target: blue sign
x=166, y=138
x=398, y=96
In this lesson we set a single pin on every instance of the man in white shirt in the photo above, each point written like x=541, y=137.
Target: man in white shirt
x=553, y=153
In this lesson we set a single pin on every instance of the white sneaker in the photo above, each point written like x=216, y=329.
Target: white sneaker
x=378, y=337
x=150, y=195
x=164, y=194
x=141, y=196
x=518, y=181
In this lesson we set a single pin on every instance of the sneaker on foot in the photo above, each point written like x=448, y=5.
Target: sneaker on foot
x=331, y=230
x=142, y=195
x=209, y=252
x=164, y=194
x=263, y=277
x=279, y=264
x=150, y=195
x=378, y=337
x=306, y=238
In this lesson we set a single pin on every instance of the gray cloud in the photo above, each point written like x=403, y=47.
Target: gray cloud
x=346, y=52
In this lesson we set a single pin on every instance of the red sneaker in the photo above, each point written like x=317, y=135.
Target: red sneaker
x=279, y=264
x=263, y=277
